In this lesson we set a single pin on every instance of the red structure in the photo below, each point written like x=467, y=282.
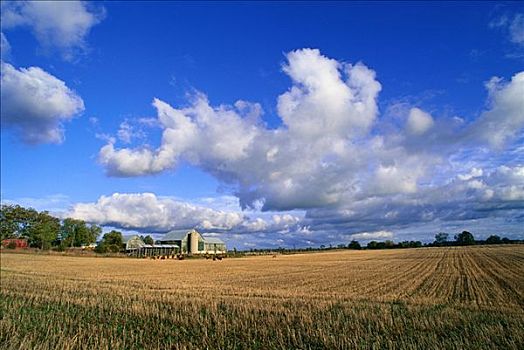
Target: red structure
x=18, y=243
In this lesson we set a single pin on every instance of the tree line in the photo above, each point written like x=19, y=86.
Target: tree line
x=464, y=238
x=45, y=231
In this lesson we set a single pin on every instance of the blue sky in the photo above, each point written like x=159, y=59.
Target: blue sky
x=357, y=118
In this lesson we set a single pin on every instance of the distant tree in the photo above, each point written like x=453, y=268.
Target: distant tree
x=389, y=244
x=441, y=238
x=76, y=233
x=465, y=238
x=372, y=245
x=341, y=246
x=410, y=244
x=40, y=228
x=111, y=242
x=354, y=245
x=505, y=240
x=16, y=221
x=113, y=238
x=148, y=240
x=322, y=246
x=95, y=231
x=493, y=239
x=44, y=230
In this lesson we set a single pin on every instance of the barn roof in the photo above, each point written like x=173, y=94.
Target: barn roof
x=126, y=239
x=175, y=235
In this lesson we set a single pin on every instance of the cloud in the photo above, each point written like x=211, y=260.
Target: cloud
x=516, y=29
x=333, y=157
x=512, y=24
x=35, y=104
x=128, y=132
x=63, y=25
x=5, y=47
x=146, y=212
x=283, y=168
x=504, y=120
x=366, y=236
x=419, y=122
x=327, y=97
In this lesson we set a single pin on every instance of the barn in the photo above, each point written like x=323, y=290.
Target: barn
x=132, y=242
x=15, y=243
x=134, y=245
x=192, y=242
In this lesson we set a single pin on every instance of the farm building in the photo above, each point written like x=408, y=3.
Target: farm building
x=134, y=245
x=15, y=243
x=133, y=242
x=192, y=242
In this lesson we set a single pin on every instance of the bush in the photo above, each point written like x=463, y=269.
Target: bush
x=59, y=248
x=113, y=248
x=101, y=248
x=11, y=245
x=493, y=239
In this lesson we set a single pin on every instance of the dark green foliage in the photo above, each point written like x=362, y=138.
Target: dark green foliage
x=493, y=239
x=113, y=238
x=441, y=238
x=39, y=228
x=465, y=238
x=354, y=245
x=44, y=231
x=148, y=239
x=76, y=233
x=112, y=242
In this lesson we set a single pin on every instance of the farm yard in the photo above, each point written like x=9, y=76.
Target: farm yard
x=430, y=298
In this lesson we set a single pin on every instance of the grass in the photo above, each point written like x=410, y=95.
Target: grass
x=431, y=298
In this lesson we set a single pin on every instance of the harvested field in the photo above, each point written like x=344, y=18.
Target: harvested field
x=430, y=298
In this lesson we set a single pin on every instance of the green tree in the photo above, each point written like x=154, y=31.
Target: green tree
x=148, y=240
x=389, y=244
x=40, y=228
x=441, y=238
x=465, y=238
x=111, y=242
x=372, y=245
x=44, y=230
x=16, y=221
x=76, y=233
x=493, y=239
x=113, y=237
x=354, y=245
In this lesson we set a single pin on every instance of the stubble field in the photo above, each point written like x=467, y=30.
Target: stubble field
x=428, y=298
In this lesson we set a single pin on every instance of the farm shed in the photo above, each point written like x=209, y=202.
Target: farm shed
x=132, y=242
x=214, y=245
x=15, y=243
x=192, y=242
x=134, y=245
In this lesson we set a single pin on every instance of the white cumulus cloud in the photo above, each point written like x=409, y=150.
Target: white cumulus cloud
x=55, y=24
x=504, y=120
x=35, y=104
x=372, y=235
x=334, y=158
x=418, y=121
x=148, y=212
